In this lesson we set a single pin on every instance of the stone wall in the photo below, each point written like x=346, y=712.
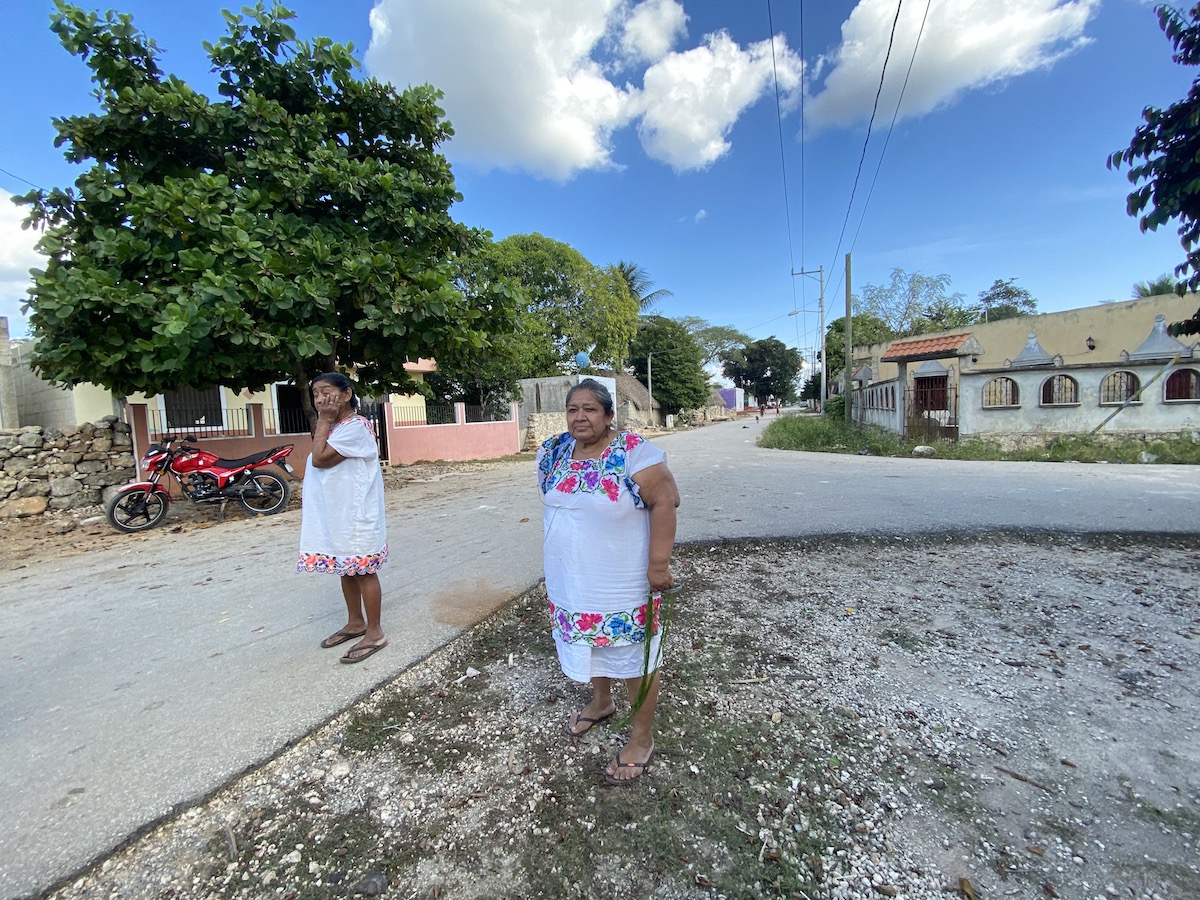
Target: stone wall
x=540, y=426
x=62, y=468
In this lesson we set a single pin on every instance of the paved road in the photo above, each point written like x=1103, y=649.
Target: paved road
x=139, y=680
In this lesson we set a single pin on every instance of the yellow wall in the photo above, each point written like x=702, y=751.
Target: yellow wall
x=1113, y=326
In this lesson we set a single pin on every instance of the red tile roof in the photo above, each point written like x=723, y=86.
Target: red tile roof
x=925, y=348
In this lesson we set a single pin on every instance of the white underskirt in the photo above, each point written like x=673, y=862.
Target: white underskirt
x=583, y=662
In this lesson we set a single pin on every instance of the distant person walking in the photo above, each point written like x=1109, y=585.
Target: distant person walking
x=608, y=503
x=343, y=530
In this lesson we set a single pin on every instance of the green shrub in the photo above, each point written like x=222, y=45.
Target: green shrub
x=831, y=434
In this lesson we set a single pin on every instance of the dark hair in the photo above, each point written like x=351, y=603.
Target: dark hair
x=339, y=381
x=599, y=391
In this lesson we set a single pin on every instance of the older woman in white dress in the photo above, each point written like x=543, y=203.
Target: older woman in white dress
x=609, y=505
x=343, y=530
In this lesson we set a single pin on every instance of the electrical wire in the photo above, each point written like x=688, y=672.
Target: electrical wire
x=787, y=205
x=867, y=139
x=19, y=178
x=892, y=125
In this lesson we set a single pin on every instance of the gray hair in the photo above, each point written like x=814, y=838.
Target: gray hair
x=599, y=391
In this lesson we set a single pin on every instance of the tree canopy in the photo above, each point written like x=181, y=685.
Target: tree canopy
x=1004, y=300
x=864, y=329
x=1167, y=144
x=585, y=307
x=1153, y=287
x=715, y=340
x=566, y=304
x=640, y=286
x=768, y=369
x=297, y=225
x=664, y=350
x=914, y=304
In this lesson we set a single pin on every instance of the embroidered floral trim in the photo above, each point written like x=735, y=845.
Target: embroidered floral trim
x=605, y=474
x=605, y=630
x=342, y=565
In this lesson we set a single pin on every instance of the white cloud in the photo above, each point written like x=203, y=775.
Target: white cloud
x=522, y=90
x=652, y=30
x=965, y=44
x=526, y=86
x=17, y=257
x=690, y=101
x=701, y=215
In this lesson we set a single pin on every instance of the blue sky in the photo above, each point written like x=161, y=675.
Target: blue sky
x=650, y=132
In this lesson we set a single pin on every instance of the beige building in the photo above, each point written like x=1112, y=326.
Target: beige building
x=25, y=399
x=1110, y=368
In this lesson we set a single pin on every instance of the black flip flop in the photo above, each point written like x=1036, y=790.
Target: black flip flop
x=371, y=649
x=626, y=782
x=340, y=637
x=591, y=723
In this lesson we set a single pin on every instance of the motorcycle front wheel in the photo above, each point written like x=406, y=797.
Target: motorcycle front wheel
x=265, y=494
x=133, y=511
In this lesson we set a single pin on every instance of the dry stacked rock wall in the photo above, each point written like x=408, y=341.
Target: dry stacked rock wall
x=62, y=469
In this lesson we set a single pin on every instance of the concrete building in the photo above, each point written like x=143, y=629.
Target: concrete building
x=1111, y=368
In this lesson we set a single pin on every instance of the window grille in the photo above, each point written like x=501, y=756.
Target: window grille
x=1001, y=392
x=1119, y=387
x=1060, y=390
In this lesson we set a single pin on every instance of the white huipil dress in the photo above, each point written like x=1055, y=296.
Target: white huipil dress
x=597, y=548
x=342, y=526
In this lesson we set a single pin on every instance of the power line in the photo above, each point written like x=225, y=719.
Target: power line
x=19, y=178
x=891, y=126
x=867, y=139
x=787, y=206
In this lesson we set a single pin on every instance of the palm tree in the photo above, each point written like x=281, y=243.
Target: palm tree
x=1163, y=284
x=638, y=281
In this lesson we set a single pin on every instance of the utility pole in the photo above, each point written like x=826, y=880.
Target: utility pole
x=820, y=272
x=849, y=377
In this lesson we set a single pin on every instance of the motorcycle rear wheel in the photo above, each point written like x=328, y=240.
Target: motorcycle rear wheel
x=134, y=511
x=266, y=494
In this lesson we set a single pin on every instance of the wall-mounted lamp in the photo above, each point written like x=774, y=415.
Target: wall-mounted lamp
x=1091, y=342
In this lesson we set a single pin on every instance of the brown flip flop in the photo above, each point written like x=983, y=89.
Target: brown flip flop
x=626, y=782
x=340, y=638
x=371, y=650
x=591, y=723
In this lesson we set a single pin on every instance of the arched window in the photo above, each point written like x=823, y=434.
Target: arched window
x=1182, y=384
x=1119, y=387
x=1001, y=392
x=1060, y=390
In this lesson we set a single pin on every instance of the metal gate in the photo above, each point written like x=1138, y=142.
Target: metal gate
x=372, y=411
x=931, y=410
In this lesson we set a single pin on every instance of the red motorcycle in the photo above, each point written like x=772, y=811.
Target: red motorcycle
x=204, y=478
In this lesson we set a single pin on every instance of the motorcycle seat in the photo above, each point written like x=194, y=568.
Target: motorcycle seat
x=248, y=460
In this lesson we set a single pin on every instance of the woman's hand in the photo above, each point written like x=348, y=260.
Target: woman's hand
x=328, y=407
x=660, y=577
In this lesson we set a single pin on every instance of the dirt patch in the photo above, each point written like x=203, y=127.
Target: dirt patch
x=999, y=716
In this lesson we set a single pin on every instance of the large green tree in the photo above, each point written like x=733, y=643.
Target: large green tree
x=299, y=224
x=865, y=329
x=566, y=304
x=1167, y=143
x=715, y=340
x=664, y=349
x=768, y=369
x=1004, y=300
x=913, y=304
x=584, y=306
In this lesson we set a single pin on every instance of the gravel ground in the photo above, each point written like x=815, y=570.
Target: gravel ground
x=999, y=716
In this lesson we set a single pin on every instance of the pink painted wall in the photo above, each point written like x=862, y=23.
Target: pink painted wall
x=464, y=440
x=407, y=444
